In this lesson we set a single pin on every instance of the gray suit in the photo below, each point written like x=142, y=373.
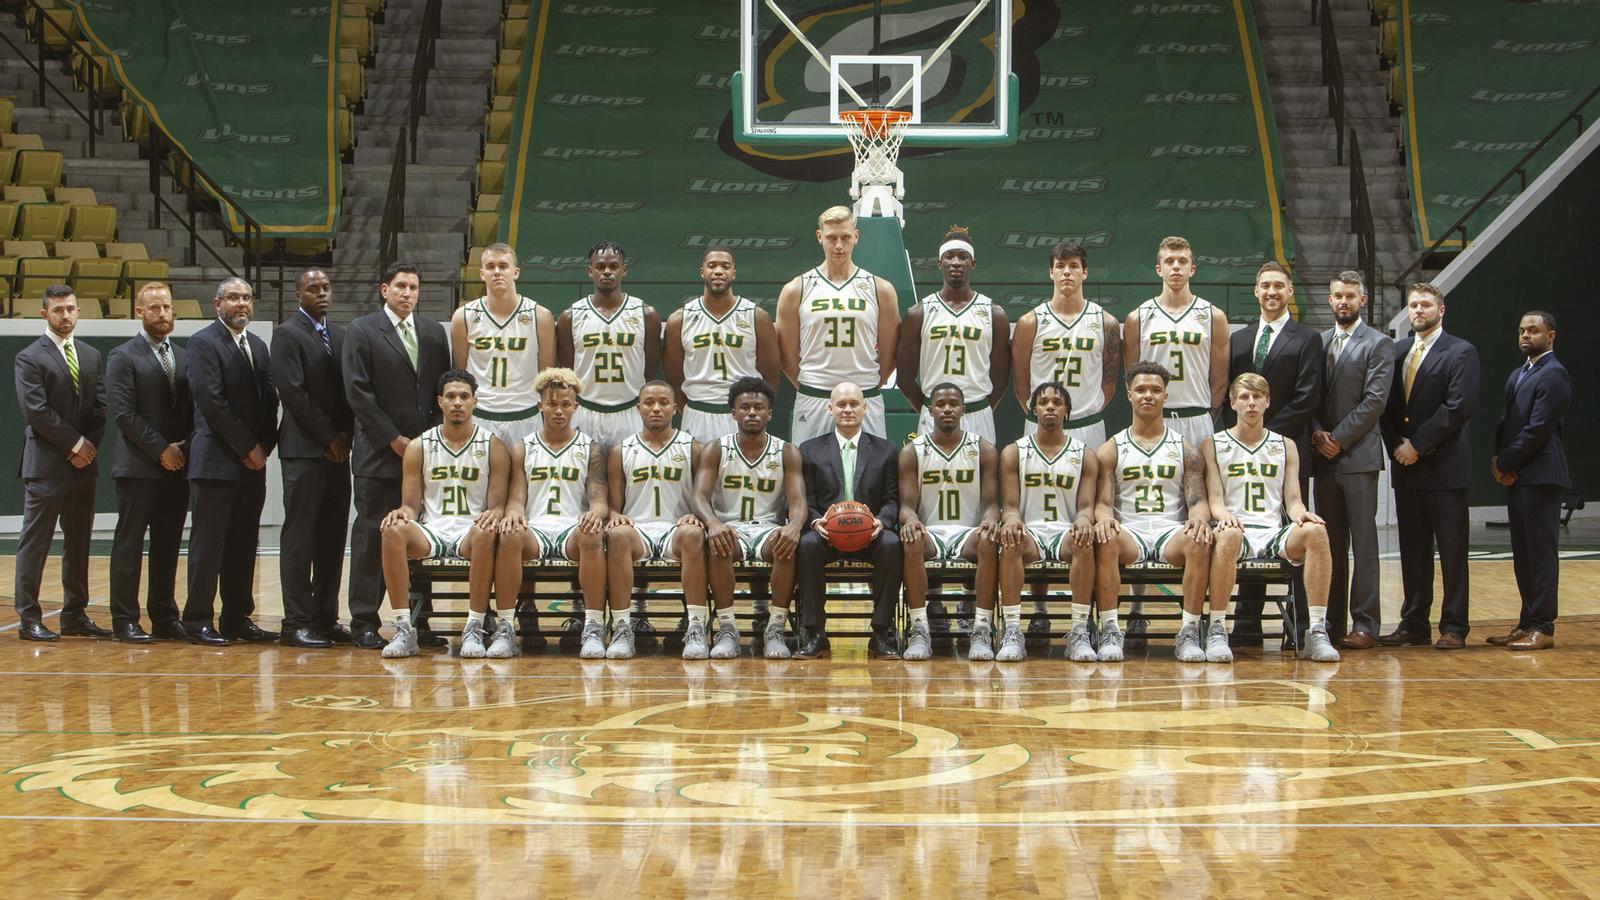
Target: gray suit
x=1346, y=488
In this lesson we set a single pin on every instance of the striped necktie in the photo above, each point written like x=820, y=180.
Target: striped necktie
x=72, y=362
x=164, y=353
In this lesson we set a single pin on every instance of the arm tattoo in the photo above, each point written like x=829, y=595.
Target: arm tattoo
x=1194, y=477
x=598, y=487
x=1112, y=361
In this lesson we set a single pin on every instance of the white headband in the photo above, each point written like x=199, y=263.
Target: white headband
x=957, y=244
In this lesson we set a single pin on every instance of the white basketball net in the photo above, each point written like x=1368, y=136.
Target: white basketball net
x=875, y=134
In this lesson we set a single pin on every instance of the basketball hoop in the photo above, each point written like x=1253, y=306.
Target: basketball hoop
x=875, y=134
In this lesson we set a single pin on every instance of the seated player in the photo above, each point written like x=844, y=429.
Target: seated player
x=557, y=508
x=751, y=494
x=652, y=477
x=453, y=485
x=1252, y=483
x=1047, y=487
x=1151, y=507
x=949, y=510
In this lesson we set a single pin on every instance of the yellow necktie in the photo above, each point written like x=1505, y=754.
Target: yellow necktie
x=1411, y=367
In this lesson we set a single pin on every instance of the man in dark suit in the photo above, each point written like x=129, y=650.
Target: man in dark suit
x=874, y=479
x=147, y=393
x=314, y=453
x=1289, y=355
x=1348, y=456
x=63, y=403
x=392, y=363
x=1531, y=461
x=1434, y=394
x=235, y=428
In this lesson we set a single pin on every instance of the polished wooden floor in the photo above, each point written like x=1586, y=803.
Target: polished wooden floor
x=264, y=771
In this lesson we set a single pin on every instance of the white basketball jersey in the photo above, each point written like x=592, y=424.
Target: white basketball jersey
x=956, y=346
x=1149, y=484
x=1183, y=345
x=717, y=351
x=750, y=491
x=454, y=482
x=838, y=330
x=950, y=487
x=558, y=479
x=1253, y=477
x=608, y=352
x=503, y=354
x=1072, y=353
x=656, y=485
x=1049, y=483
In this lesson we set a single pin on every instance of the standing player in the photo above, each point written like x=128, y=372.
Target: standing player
x=557, y=507
x=1252, y=482
x=453, y=486
x=949, y=510
x=1151, y=507
x=713, y=341
x=652, y=480
x=834, y=323
x=748, y=483
x=959, y=336
x=504, y=339
x=1187, y=336
x=615, y=339
x=1047, y=486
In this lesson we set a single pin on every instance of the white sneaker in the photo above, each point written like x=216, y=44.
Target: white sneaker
x=919, y=644
x=981, y=646
x=775, y=644
x=1080, y=645
x=471, y=640
x=726, y=645
x=1217, y=649
x=694, y=640
x=621, y=646
x=404, y=642
x=1013, y=648
x=1187, y=645
x=1110, y=643
x=1318, y=646
x=504, y=645
x=593, y=640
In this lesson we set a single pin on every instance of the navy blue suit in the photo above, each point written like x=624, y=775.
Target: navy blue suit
x=235, y=410
x=877, y=484
x=1527, y=444
x=1431, y=493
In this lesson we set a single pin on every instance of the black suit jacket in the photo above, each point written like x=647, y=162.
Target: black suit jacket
x=877, y=476
x=1293, y=369
x=1527, y=441
x=235, y=404
x=389, y=397
x=55, y=415
x=310, y=384
x=1443, y=398
x=148, y=414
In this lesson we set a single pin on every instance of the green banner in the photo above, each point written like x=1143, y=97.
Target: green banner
x=1483, y=83
x=248, y=90
x=1139, y=120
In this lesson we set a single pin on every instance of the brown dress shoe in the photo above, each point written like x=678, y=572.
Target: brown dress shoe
x=1401, y=637
x=1358, y=640
x=1450, y=642
x=1501, y=640
x=1533, y=639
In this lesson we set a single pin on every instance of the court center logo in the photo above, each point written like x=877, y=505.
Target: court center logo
x=965, y=755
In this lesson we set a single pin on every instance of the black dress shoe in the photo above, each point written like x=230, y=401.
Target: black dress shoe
x=207, y=636
x=367, y=639
x=131, y=633
x=35, y=631
x=883, y=645
x=335, y=633
x=169, y=631
x=1245, y=634
x=79, y=625
x=426, y=638
x=815, y=647
x=249, y=632
x=304, y=637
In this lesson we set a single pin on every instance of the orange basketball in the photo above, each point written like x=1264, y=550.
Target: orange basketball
x=849, y=525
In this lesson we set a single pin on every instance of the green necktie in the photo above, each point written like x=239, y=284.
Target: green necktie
x=410, y=340
x=1261, y=346
x=72, y=364
x=848, y=456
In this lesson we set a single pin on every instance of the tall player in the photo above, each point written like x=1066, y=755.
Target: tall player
x=1047, y=489
x=834, y=324
x=1187, y=336
x=1252, y=484
x=956, y=335
x=713, y=341
x=750, y=492
x=949, y=509
x=614, y=338
x=652, y=480
x=453, y=486
x=504, y=339
x=1151, y=507
x=557, y=507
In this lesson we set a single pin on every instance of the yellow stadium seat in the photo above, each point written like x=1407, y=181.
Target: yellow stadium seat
x=7, y=110
x=8, y=220
x=494, y=152
x=491, y=176
x=19, y=249
x=22, y=141
x=350, y=82
x=34, y=274
x=89, y=307
x=485, y=227
x=75, y=196
x=187, y=309
x=41, y=168
x=8, y=163
x=119, y=308
x=1389, y=39
x=1384, y=8
x=489, y=203
x=1397, y=98
x=136, y=272
x=17, y=193
x=513, y=32
x=133, y=250
x=472, y=287
x=54, y=36
x=516, y=10
x=505, y=77
x=347, y=129
x=93, y=276
x=92, y=223
x=42, y=221
x=304, y=247
x=498, y=125
x=83, y=66
x=135, y=123
x=8, y=272
x=474, y=253
x=76, y=250
x=356, y=34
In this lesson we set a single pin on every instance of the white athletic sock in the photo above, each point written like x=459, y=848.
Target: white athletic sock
x=1108, y=618
x=1319, y=615
x=726, y=617
x=594, y=615
x=1011, y=615
x=698, y=613
x=920, y=614
x=621, y=615
x=1218, y=615
x=1080, y=614
x=982, y=617
x=402, y=617
x=1190, y=618
x=778, y=616
x=474, y=617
